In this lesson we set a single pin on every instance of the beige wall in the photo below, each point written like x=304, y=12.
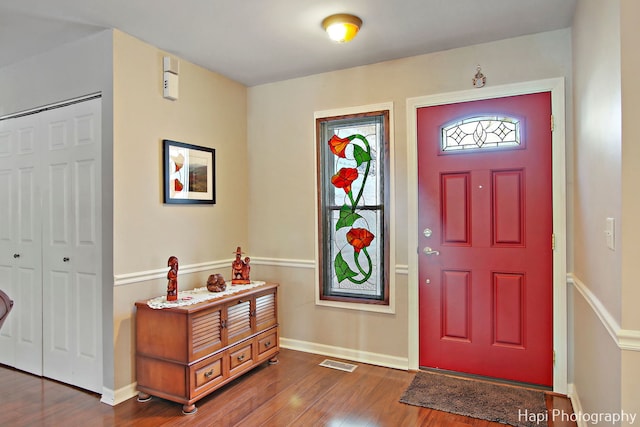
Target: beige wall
x=266, y=179
x=283, y=181
x=630, y=230
x=211, y=111
x=607, y=102
x=596, y=53
x=70, y=71
x=597, y=362
x=597, y=95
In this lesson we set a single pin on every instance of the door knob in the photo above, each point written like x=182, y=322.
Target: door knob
x=429, y=251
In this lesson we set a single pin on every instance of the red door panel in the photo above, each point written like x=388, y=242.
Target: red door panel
x=486, y=285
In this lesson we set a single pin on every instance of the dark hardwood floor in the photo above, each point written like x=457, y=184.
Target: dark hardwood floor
x=294, y=392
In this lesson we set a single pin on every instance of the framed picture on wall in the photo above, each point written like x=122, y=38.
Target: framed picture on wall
x=189, y=173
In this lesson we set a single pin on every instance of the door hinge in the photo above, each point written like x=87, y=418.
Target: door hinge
x=552, y=123
x=553, y=241
x=554, y=358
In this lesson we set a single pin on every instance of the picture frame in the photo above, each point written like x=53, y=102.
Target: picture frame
x=188, y=173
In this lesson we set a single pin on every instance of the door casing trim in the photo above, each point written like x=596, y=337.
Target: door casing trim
x=556, y=87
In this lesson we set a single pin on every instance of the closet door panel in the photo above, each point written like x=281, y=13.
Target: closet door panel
x=88, y=360
x=29, y=338
x=50, y=243
x=21, y=243
x=29, y=249
x=72, y=244
x=7, y=333
x=56, y=330
x=86, y=224
x=7, y=237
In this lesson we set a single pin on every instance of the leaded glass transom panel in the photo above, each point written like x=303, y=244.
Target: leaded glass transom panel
x=480, y=133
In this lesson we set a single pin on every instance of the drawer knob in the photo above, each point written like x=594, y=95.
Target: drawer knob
x=241, y=358
x=208, y=374
x=267, y=344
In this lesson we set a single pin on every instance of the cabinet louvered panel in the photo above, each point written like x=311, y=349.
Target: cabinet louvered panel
x=238, y=320
x=206, y=332
x=265, y=311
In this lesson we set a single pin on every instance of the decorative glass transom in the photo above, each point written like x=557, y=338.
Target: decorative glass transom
x=478, y=133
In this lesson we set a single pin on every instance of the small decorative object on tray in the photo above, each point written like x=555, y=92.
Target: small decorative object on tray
x=172, y=276
x=240, y=269
x=216, y=283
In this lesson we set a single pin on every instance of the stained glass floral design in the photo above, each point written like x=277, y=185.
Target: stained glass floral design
x=359, y=237
x=353, y=182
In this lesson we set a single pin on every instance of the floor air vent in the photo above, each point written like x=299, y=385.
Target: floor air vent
x=341, y=366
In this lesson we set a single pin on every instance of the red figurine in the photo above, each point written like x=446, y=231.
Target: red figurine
x=240, y=269
x=172, y=275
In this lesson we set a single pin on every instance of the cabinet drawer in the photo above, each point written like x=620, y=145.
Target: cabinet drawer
x=241, y=356
x=206, y=374
x=209, y=373
x=267, y=343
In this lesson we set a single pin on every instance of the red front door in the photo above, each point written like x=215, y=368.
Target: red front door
x=485, y=214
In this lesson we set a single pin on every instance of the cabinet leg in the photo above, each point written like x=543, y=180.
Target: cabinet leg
x=273, y=360
x=143, y=397
x=189, y=409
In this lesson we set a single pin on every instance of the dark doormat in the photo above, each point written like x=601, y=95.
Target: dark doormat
x=504, y=404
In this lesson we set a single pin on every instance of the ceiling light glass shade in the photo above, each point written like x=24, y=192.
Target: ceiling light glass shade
x=342, y=27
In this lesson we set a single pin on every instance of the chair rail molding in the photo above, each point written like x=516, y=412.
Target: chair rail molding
x=625, y=339
x=161, y=273
x=145, y=276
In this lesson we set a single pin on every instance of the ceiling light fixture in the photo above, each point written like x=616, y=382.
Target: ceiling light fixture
x=342, y=27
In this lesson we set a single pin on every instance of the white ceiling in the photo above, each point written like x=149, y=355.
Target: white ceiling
x=261, y=41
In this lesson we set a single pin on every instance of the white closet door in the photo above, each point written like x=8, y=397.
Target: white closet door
x=21, y=244
x=72, y=312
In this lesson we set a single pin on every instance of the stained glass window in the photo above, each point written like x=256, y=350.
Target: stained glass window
x=353, y=192
x=479, y=133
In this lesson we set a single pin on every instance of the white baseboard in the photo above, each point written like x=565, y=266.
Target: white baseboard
x=111, y=397
x=577, y=406
x=346, y=353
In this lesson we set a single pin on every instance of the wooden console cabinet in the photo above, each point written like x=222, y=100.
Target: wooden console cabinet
x=185, y=353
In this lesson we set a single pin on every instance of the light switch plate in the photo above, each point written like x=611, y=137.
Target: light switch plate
x=610, y=234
